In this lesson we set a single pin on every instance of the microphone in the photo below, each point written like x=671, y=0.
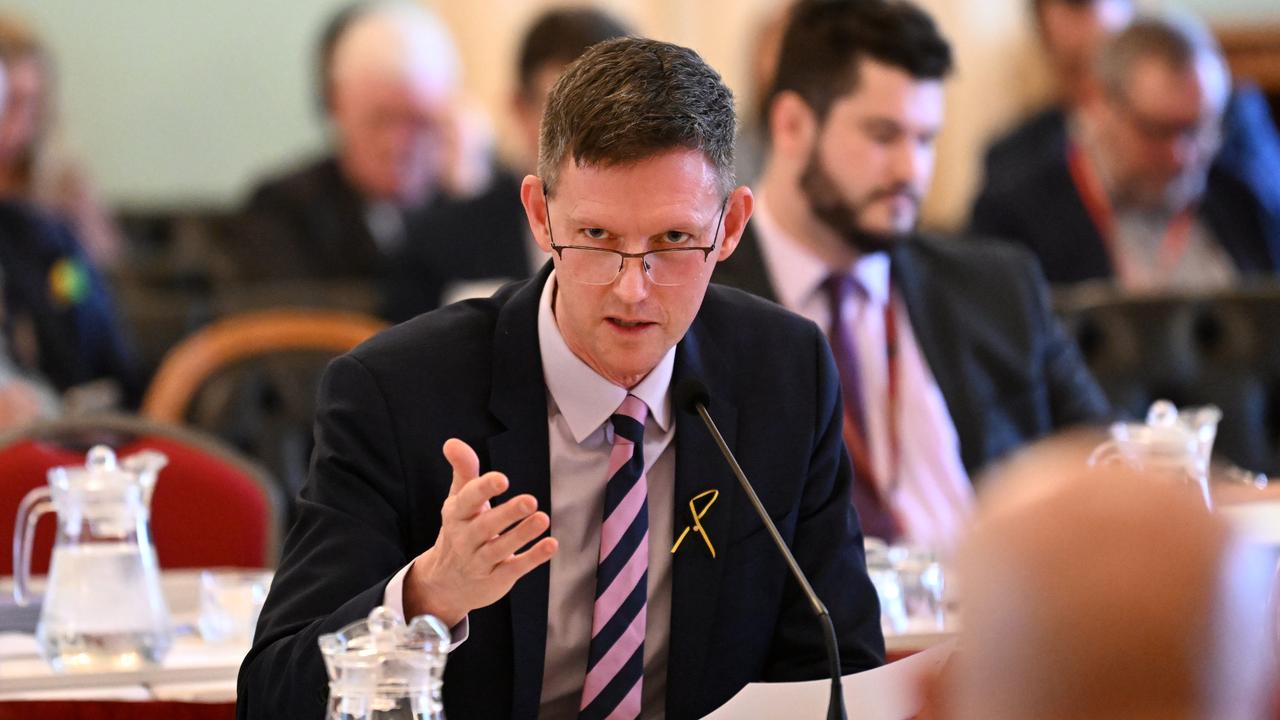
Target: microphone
x=691, y=396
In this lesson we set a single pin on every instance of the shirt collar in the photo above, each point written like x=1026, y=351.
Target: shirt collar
x=798, y=274
x=584, y=398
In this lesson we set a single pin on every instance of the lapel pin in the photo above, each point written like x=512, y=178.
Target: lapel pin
x=697, y=514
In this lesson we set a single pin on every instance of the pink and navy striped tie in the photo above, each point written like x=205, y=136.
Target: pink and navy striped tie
x=615, y=664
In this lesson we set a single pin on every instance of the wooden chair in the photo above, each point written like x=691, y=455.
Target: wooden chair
x=251, y=379
x=244, y=336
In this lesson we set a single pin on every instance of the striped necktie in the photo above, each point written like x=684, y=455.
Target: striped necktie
x=874, y=514
x=615, y=664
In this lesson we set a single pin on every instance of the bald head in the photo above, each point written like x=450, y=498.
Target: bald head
x=396, y=41
x=392, y=74
x=1107, y=595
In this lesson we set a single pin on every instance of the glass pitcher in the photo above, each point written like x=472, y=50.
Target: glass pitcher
x=103, y=609
x=381, y=669
x=1177, y=444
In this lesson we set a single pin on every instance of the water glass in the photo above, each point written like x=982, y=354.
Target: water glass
x=230, y=601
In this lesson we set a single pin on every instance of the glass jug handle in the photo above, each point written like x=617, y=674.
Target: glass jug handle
x=36, y=503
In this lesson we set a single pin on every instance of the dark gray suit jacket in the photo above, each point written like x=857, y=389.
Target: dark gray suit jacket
x=981, y=315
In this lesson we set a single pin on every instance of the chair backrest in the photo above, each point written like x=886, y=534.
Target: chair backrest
x=1221, y=348
x=244, y=336
x=211, y=507
x=251, y=380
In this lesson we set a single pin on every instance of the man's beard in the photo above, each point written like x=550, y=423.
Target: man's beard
x=833, y=210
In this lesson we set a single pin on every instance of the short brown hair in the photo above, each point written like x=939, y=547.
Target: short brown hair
x=826, y=41
x=631, y=98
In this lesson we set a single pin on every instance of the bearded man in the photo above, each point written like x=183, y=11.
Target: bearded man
x=949, y=354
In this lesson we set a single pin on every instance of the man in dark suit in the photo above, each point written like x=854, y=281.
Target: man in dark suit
x=559, y=386
x=949, y=355
x=1071, y=32
x=1136, y=185
x=365, y=216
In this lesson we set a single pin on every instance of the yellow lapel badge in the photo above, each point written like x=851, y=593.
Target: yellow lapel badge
x=697, y=514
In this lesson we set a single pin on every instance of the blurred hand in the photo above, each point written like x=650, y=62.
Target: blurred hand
x=19, y=404
x=474, y=561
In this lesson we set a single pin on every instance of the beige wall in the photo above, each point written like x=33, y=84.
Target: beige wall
x=987, y=91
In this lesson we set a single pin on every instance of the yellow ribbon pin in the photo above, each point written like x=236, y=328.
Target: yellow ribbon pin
x=697, y=520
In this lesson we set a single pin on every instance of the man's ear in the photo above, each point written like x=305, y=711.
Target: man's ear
x=737, y=212
x=793, y=125
x=535, y=209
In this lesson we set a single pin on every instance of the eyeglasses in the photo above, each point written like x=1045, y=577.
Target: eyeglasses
x=668, y=267
x=1206, y=132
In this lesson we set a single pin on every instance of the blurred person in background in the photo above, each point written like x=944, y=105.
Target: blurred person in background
x=60, y=348
x=1139, y=195
x=1109, y=595
x=468, y=247
x=948, y=353
x=23, y=398
x=34, y=164
x=389, y=75
x=1070, y=33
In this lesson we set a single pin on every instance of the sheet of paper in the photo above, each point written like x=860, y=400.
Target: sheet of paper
x=891, y=692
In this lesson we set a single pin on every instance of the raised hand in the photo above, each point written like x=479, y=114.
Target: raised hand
x=474, y=561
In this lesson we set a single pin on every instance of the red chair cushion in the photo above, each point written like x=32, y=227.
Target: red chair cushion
x=205, y=512
x=112, y=710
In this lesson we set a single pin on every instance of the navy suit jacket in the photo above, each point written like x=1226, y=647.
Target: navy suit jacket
x=472, y=370
x=980, y=313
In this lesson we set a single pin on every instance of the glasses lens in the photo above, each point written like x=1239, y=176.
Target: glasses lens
x=588, y=266
x=675, y=267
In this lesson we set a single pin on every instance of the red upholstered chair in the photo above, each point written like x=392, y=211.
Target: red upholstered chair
x=108, y=710
x=211, y=507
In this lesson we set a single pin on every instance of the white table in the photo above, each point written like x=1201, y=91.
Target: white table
x=192, y=671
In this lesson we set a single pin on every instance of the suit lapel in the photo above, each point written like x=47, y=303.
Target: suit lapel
x=696, y=589
x=519, y=403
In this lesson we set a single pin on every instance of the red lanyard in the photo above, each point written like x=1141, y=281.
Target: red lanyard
x=1176, y=237
x=892, y=389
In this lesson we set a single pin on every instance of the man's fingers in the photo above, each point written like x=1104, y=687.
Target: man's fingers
x=500, y=548
x=474, y=496
x=515, y=567
x=463, y=460
x=501, y=517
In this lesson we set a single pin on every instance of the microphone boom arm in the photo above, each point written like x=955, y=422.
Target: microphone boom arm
x=835, y=706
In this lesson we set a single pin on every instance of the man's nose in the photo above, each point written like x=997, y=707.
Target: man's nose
x=632, y=284
x=906, y=163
